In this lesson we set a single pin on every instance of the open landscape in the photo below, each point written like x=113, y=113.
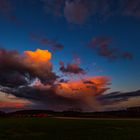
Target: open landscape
x=69, y=69
x=69, y=129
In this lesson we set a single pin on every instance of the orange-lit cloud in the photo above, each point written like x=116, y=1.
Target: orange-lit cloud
x=39, y=55
x=17, y=72
x=19, y=69
x=91, y=86
x=11, y=102
x=12, y=105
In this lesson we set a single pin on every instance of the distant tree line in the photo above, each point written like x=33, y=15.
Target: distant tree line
x=133, y=112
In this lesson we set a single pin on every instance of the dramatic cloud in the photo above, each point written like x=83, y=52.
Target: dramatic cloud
x=62, y=96
x=17, y=69
x=29, y=76
x=102, y=46
x=82, y=87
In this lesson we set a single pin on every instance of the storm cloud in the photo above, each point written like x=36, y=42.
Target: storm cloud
x=30, y=76
x=19, y=69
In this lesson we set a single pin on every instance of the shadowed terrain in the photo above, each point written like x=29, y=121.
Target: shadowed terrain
x=69, y=129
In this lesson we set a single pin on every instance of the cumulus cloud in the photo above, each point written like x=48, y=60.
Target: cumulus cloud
x=19, y=69
x=29, y=76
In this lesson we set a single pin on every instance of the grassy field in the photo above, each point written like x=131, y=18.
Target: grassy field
x=68, y=129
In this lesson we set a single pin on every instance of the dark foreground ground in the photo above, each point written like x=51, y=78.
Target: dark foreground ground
x=69, y=129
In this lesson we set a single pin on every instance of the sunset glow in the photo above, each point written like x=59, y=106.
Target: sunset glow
x=39, y=55
x=59, y=54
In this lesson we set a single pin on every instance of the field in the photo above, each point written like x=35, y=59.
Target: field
x=68, y=129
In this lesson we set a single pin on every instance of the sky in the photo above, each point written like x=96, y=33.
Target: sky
x=69, y=54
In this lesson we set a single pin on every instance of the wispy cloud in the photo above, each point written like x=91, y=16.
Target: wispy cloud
x=44, y=41
x=79, y=11
x=103, y=46
x=116, y=97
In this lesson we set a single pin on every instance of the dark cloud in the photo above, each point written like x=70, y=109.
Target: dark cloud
x=63, y=81
x=29, y=76
x=88, y=82
x=103, y=47
x=53, y=44
x=79, y=11
x=53, y=6
x=48, y=98
x=17, y=69
x=5, y=6
x=127, y=55
x=76, y=11
x=71, y=68
x=100, y=41
x=62, y=96
x=114, y=97
x=131, y=8
x=15, y=20
x=10, y=68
